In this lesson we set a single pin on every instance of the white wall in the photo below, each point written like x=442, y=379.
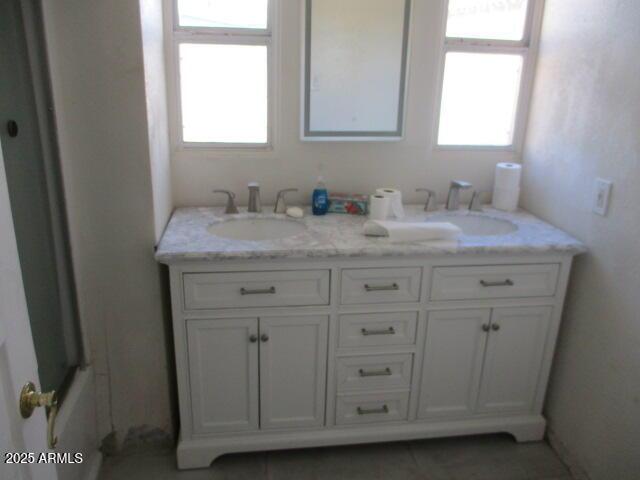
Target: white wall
x=354, y=167
x=99, y=94
x=157, y=117
x=585, y=122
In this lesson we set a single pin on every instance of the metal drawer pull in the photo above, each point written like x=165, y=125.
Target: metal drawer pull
x=373, y=411
x=388, y=331
x=495, y=327
x=381, y=288
x=375, y=373
x=485, y=327
x=266, y=291
x=505, y=283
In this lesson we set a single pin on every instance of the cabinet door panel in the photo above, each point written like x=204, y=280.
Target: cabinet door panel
x=223, y=370
x=453, y=362
x=513, y=359
x=293, y=364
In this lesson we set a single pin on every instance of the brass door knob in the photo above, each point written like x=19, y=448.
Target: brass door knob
x=30, y=399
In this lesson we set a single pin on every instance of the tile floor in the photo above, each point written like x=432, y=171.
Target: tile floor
x=494, y=457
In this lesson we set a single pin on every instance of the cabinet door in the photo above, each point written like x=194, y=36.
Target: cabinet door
x=293, y=364
x=452, y=367
x=223, y=372
x=513, y=359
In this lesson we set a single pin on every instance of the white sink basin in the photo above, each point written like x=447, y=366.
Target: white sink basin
x=257, y=229
x=477, y=225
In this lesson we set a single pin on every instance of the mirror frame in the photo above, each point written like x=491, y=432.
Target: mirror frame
x=355, y=136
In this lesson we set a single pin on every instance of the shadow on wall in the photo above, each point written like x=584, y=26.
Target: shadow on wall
x=145, y=438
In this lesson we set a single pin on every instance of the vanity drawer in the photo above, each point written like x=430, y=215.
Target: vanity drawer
x=494, y=281
x=377, y=329
x=256, y=289
x=380, y=285
x=374, y=372
x=371, y=408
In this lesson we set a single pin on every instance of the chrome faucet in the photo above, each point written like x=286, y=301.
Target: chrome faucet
x=453, y=200
x=231, y=205
x=281, y=206
x=431, y=203
x=254, y=198
x=476, y=202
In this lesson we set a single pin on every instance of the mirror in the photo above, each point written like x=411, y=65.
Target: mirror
x=355, y=69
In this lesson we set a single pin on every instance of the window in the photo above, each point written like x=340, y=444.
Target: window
x=222, y=72
x=487, y=62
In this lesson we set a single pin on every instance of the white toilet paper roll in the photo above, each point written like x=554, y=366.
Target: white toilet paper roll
x=506, y=199
x=506, y=187
x=508, y=176
x=379, y=207
x=395, y=198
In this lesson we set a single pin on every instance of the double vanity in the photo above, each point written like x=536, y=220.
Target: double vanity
x=300, y=333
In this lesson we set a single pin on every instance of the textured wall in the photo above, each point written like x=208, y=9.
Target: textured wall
x=157, y=117
x=346, y=166
x=99, y=95
x=585, y=123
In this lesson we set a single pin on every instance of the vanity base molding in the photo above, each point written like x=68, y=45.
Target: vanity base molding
x=201, y=452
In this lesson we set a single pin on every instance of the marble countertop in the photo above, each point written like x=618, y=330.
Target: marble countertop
x=187, y=238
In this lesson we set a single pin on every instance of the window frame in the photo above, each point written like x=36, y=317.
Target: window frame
x=527, y=48
x=216, y=36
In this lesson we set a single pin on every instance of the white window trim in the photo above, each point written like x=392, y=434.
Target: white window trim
x=176, y=34
x=527, y=47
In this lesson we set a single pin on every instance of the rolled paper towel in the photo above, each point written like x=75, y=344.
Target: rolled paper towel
x=505, y=199
x=506, y=189
x=379, y=207
x=411, y=232
x=395, y=197
x=508, y=175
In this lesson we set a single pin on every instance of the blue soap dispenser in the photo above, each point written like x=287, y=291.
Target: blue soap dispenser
x=320, y=200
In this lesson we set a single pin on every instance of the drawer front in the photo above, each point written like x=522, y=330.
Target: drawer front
x=377, y=329
x=380, y=285
x=374, y=372
x=371, y=408
x=499, y=281
x=256, y=289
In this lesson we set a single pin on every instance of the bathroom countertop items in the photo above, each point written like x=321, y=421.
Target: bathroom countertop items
x=187, y=238
x=405, y=232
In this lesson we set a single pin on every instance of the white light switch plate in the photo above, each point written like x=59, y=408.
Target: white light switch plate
x=601, y=194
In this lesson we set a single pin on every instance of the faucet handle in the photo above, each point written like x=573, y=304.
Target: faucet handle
x=476, y=201
x=431, y=203
x=231, y=205
x=281, y=206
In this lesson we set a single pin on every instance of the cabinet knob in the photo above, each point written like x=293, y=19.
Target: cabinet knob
x=253, y=338
x=495, y=327
x=264, y=337
x=485, y=327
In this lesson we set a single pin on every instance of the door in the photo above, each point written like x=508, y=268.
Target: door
x=453, y=355
x=293, y=368
x=34, y=181
x=223, y=370
x=17, y=357
x=514, y=356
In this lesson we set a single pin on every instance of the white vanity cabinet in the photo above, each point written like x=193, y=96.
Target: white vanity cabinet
x=249, y=373
x=310, y=352
x=483, y=361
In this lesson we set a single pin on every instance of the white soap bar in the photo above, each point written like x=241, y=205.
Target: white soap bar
x=295, y=212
